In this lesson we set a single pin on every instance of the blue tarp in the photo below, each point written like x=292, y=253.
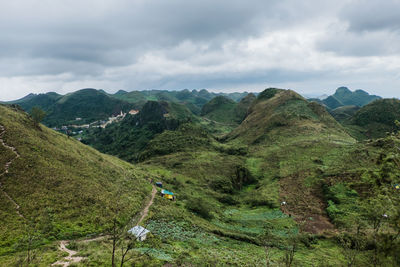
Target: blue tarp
x=166, y=192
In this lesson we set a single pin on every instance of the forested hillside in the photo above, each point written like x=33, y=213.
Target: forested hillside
x=274, y=179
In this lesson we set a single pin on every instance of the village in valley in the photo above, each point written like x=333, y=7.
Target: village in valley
x=77, y=130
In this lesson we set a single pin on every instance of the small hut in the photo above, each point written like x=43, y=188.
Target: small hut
x=167, y=194
x=159, y=184
x=139, y=232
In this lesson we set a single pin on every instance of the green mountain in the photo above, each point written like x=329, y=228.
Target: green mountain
x=194, y=99
x=357, y=98
x=287, y=112
x=220, y=109
x=129, y=137
x=44, y=101
x=242, y=108
x=377, y=119
x=344, y=97
x=88, y=104
x=344, y=113
x=121, y=92
x=58, y=188
x=224, y=110
x=332, y=102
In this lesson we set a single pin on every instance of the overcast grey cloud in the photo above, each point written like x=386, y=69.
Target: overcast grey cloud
x=229, y=45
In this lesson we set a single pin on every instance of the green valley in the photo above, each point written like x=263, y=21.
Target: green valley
x=266, y=180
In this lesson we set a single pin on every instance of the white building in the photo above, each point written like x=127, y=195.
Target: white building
x=139, y=232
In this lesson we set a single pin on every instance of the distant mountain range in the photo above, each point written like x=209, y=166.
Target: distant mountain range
x=91, y=104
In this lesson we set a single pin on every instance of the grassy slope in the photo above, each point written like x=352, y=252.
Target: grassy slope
x=344, y=113
x=64, y=188
x=220, y=109
x=235, y=208
x=242, y=108
x=290, y=114
x=376, y=119
x=286, y=135
x=228, y=196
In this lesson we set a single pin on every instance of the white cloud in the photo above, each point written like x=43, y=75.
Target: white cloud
x=309, y=46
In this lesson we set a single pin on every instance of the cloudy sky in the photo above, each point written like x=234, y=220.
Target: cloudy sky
x=311, y=46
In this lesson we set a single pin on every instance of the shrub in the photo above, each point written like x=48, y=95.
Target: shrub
x=228, y=199
x=200, y=207
x=268, y=93
x=37, y=115
x=332, y=211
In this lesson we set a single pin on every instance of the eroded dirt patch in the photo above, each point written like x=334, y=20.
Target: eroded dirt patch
x=305, y=204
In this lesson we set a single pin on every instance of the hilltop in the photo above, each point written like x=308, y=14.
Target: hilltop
x=220, y=109
x=286, y=111
x=345, y=97
x=88, y=104
x=224, y=110
x=58, y=188
x=376, y=119
x=358, y=97
x=44, y=101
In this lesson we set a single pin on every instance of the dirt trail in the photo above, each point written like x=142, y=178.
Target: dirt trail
x=7, y=166
x=145, y=211
x=71, y=258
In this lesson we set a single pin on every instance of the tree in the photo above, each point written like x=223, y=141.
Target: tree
x=352, y=244
x=377, y=212
x=290, y=251
x=118, y=231
x=267, y=240
x=397, y=123
x=37, y=115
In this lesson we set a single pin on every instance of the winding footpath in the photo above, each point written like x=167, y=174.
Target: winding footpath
x=145, y=211
x=6, y=167
x=71, y=258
